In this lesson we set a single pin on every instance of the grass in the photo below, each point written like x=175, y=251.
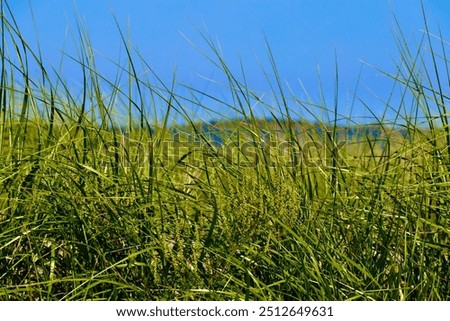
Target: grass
x=102, y=204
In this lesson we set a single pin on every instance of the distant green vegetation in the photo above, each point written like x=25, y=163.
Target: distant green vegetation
x=98, y=207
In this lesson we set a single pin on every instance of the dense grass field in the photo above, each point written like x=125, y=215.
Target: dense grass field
x=105, y=197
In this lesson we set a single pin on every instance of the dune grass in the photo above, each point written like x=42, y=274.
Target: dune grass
x=103, y=197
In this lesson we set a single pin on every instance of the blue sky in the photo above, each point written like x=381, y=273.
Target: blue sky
x=305, y=36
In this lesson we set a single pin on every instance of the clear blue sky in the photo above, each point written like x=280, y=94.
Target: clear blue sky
x=304, y=35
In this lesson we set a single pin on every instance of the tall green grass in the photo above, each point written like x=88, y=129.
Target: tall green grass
x=103, y=197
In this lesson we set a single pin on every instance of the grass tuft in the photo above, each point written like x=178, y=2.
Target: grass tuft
x=105, y=197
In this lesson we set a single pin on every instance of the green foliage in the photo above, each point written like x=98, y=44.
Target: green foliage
x=281, y=209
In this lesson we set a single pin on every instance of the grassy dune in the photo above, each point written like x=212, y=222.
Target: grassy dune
x=99, y=204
